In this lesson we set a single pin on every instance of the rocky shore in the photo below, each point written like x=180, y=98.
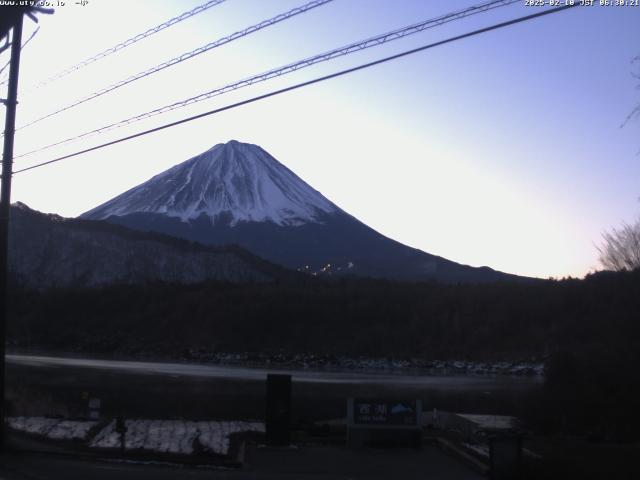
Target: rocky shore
x=528, y=367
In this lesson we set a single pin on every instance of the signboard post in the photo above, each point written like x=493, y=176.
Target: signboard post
x=94, y=408
x=121, y=428
x=377, y=421
x=505, y=456
x=278, y=418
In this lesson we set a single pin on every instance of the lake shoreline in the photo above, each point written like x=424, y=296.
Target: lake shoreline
x=319, y=363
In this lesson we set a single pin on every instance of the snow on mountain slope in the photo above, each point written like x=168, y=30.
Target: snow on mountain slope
x=235, y=181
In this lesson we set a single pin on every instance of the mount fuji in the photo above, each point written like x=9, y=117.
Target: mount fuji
x=236, y=193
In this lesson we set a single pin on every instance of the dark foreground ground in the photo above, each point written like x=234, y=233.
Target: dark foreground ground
x=321, y=463
x=562, y=459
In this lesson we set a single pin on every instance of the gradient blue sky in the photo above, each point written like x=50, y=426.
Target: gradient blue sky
x=503, y=150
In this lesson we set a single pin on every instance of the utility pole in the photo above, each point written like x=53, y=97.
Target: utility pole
x=5, y=204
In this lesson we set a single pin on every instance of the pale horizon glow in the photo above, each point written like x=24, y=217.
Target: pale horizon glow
x=503, y=150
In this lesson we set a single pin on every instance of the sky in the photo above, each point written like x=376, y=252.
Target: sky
x=506, y=149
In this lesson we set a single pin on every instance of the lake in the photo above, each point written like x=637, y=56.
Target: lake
x=59, y=385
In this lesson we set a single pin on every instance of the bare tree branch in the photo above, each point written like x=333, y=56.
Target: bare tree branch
x=635, y=112
x=620, y=249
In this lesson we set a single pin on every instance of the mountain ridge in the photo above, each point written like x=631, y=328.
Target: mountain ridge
x=238, y=193
x=47, y=250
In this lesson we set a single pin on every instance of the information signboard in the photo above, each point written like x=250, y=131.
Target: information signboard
x=383, y=422
x=383, y=412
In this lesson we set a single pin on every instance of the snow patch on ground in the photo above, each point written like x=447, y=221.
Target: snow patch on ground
x=164, y=436
x=175, y=436
x=482, y=450
x=491, y=422
x=53, y=428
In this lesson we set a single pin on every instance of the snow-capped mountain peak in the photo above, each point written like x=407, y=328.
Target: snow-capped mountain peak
x=238, y=194
x=239, y=181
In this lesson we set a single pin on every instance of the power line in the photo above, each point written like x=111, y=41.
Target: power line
x=292, y=67
x=6, y=45
x=306, y=83
x=185, y=56
x=158, y=28
x=23, y=45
